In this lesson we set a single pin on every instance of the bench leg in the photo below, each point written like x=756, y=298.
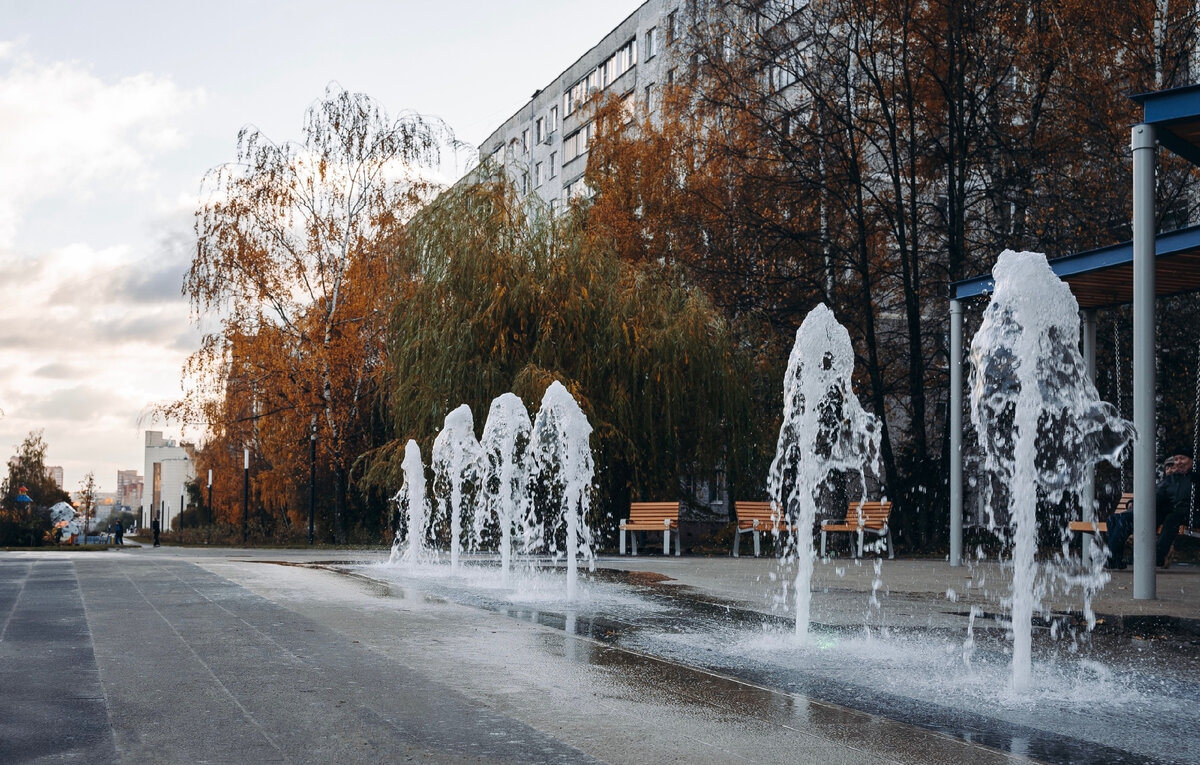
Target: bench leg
x=737, y=541
x=860, y=543
x=1085, y=540
x=891, y=547
x=621, y=543
x=633, y=542
x=756, y=544
x=823, y=543
x=678, y=542
x=666, y=541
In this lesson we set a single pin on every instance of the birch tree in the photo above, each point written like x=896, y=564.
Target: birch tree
x=291, y=261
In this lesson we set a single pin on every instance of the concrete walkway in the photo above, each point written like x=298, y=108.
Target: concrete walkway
x=182, y=656
x=226, y=655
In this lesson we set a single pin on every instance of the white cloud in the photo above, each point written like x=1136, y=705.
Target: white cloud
x=64, y=131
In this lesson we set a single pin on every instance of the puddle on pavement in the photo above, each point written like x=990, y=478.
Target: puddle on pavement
x=634, y=641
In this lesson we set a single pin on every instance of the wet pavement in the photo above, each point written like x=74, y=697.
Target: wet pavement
x=188, y=655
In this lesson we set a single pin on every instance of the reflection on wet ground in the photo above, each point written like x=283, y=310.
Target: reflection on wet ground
x=1101, y=698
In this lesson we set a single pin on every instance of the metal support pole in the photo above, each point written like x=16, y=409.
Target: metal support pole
x=1144, y=382
x=1087, y=494
x=312, y=483
x=245, y=491
x=956, y=433
x=209, y=513
x=181, y=500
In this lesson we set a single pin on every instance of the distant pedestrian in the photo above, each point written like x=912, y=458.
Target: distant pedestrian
x=154, y=528
x=120, y=532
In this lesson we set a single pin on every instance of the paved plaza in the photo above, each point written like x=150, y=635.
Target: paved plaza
x=192, y=655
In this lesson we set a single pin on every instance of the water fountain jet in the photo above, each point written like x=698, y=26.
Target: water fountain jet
x=457, y=469
x=825, y=431
x=505, y=444
x=414, y=507
x=562, y=466
x=1038, y=418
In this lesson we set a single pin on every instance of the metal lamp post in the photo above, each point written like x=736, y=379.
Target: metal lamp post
x=312, y=482
x=245, y=491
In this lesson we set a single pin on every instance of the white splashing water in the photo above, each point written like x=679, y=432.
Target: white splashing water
x=457, y=471
x=562, y=467
x=1039, y=420
x=505, y=446
x=414, y=506
x=825, y=431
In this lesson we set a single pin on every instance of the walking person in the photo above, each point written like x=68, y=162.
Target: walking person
x=154, y=528
x=120, y=533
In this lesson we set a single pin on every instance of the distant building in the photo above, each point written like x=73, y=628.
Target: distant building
x=168, y=468
x=55, y=473
x=129, y=488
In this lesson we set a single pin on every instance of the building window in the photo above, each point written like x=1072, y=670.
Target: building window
x=537, y=175
x=524, y=183
x=553, y=161
x=553, y=119
x=651, y=43
x=525, y=140
x=601, y=77
x=576, y=143
x=650, y=97
x=553, y=208
x=672, y=29
x=671, y=76
x=576, y=188
x=541, y=129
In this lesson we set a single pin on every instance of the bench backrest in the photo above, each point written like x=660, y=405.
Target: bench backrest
x=748, y=511
x=650, y=512
x=1125, y=503
x=870, y=512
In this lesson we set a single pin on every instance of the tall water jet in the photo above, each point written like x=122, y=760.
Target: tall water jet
x=457, y=470
x=413, y=506
x=1038, y=418
x=505, y=444
x=825, y=432
x=562, y=469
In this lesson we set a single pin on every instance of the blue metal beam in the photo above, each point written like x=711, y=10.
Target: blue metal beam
x=1167, y=244
x=1166, y=106
x=1185, y=149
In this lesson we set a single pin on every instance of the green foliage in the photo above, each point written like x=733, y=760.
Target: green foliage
x=493, y=296
x=28, y=469
x=26, y=523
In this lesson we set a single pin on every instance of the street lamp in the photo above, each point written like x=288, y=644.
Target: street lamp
x=209, y=513
x=245, y=490
x=312, y=481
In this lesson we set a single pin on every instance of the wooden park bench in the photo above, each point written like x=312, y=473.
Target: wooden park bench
x=652, y=516
x=755, y=518
x=1096, y=528
x=861, y=518
x=1124, y=505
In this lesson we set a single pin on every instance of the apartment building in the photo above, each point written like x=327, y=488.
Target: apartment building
x=55, y=473
x=129, y=488
x=169, y=466
x=544, y=145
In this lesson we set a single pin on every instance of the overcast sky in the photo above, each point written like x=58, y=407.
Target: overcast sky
x=111, y=112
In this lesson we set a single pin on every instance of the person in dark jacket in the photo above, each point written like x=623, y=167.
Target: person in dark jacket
x=154, y=527
x=1172, y=501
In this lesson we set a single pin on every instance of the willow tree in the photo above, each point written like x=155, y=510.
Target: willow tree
x=289, y=262
x=501, y=296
